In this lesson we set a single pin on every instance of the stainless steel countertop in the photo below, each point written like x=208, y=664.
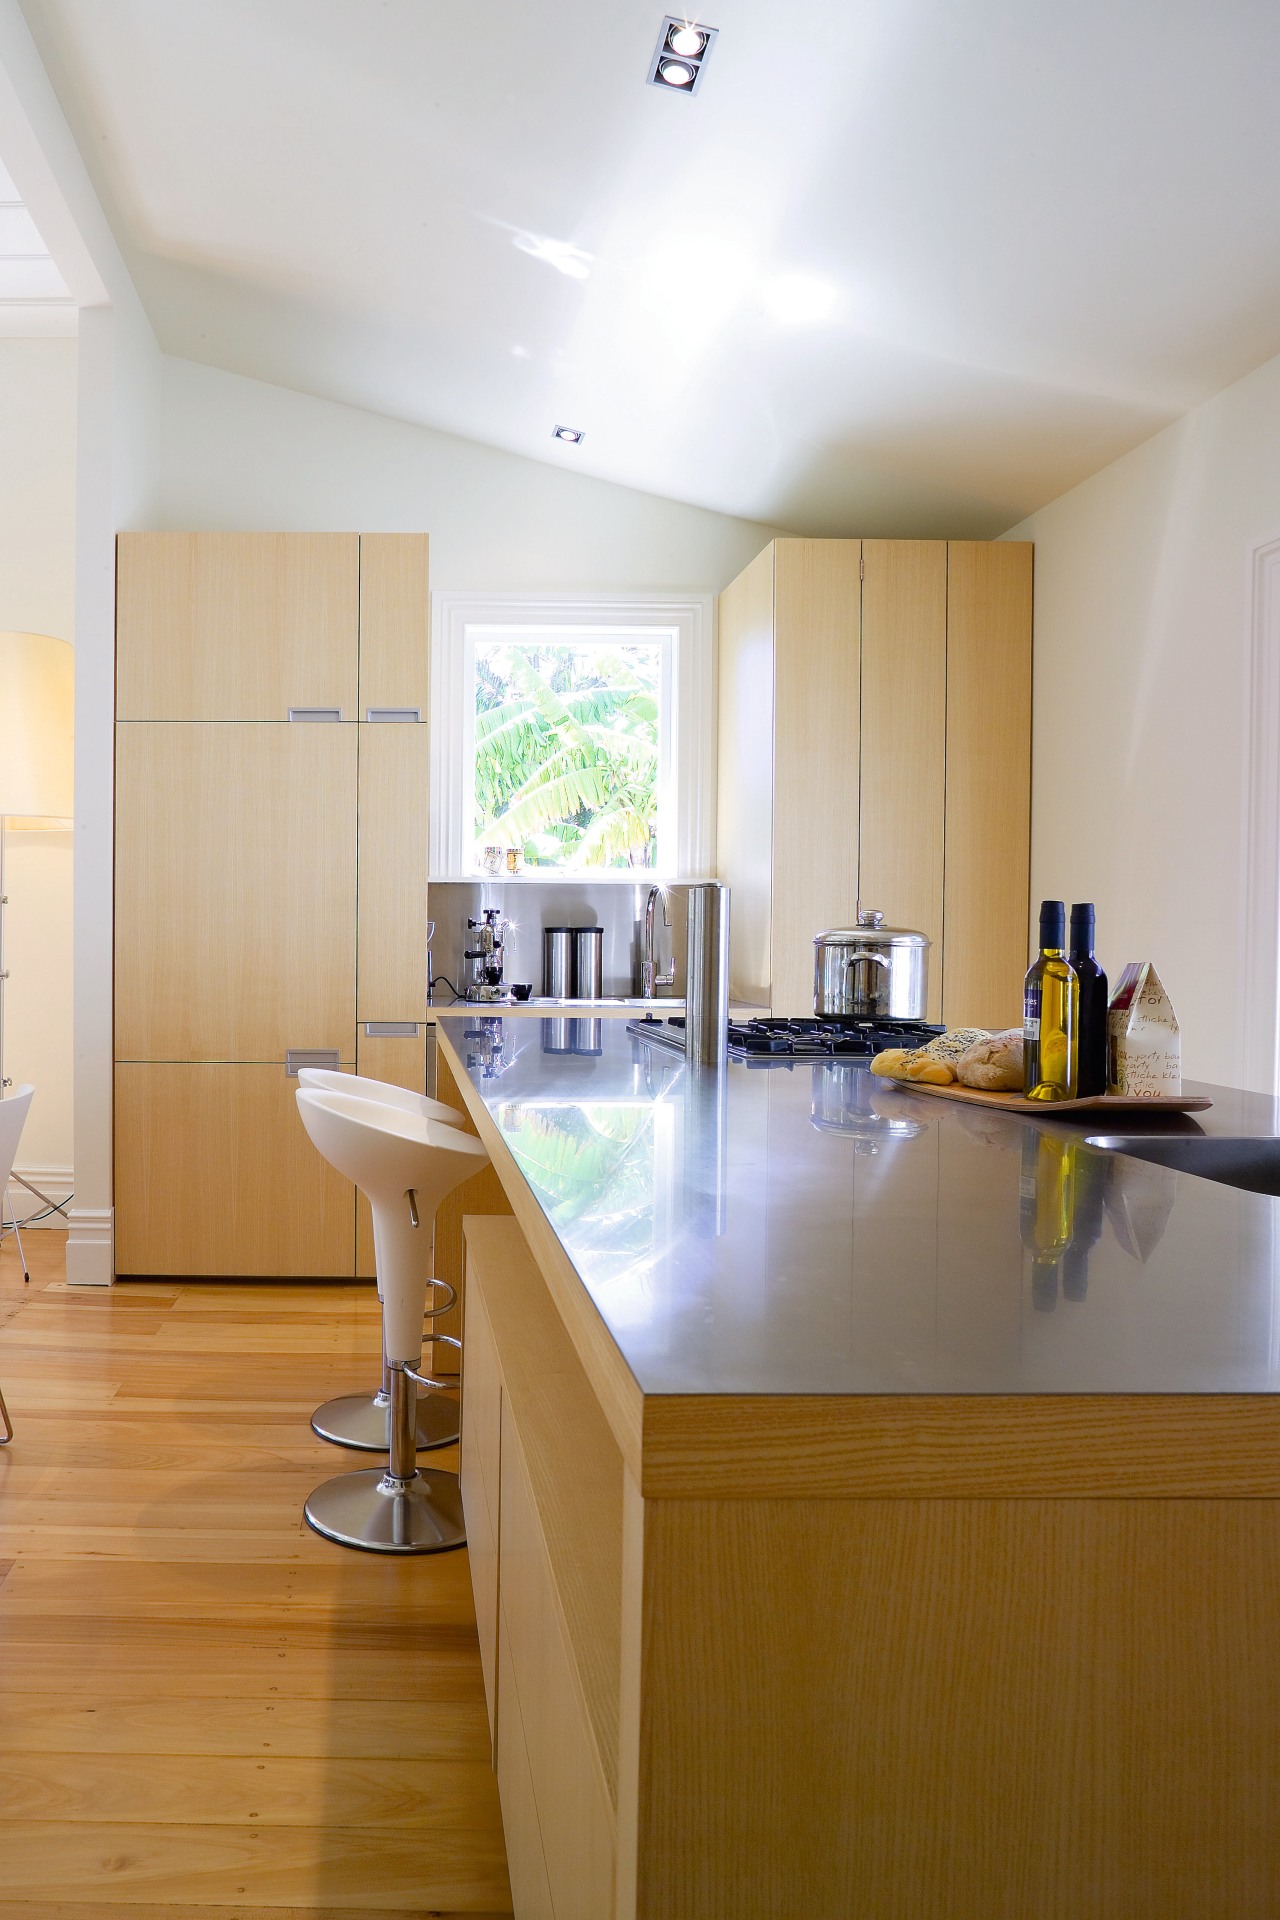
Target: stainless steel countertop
x=807, y=1229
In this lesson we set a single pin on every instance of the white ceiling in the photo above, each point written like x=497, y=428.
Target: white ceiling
x=898, y=267
x=34, y=297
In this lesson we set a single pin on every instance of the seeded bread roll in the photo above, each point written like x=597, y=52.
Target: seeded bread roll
x=933, y=1065
x=994, y=1064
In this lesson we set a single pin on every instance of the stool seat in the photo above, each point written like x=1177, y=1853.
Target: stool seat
x=360, y=1420
x=404, y=1164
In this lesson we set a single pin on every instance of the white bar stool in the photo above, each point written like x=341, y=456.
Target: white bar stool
x=405, y=1166
x=361, y=1420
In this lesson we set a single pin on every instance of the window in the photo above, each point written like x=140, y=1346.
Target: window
x=575, y=733
x=571, y=746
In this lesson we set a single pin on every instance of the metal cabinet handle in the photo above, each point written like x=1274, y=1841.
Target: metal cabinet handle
x=327, y=715
x=296, y=1057
x=393, y=716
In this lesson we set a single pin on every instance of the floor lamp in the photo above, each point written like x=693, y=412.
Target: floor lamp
x=36, y=716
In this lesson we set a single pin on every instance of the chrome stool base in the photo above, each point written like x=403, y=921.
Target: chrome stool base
x=380, y=1514
x=363, y=1421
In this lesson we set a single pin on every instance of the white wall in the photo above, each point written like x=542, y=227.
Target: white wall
x=37, y=595
x=1142, y=613
x=237, y=453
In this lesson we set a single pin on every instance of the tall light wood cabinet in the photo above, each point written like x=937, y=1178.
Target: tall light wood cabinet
x=875, y=748
x=271, y=832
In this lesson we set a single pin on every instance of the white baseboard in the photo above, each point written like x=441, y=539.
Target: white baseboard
x=57, y=1182
x=91, y=1247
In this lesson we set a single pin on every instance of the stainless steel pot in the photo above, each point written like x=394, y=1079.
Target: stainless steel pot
x=871, y=972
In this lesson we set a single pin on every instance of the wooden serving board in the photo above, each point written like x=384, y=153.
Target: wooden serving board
x=1047, y=1109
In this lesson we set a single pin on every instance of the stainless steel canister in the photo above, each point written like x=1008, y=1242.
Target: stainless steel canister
x=871, y=972
x=588, y=962
x=557, y=962
x=706, y=983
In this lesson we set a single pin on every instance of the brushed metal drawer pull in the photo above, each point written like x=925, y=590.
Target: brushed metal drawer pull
x=327, y=715
x=391, y=1029
x=296, y=1057
x=393, y=716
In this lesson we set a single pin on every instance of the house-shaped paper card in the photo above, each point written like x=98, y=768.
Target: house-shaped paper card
x=1144, y=1046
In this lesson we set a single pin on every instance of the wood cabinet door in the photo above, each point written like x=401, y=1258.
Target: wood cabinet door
x=987, y=873
x=235, y=891
x=215, y=1176
x=816, y=733
x=902, y=796
x=392, y=910
x=395, y=622
x=236, y=626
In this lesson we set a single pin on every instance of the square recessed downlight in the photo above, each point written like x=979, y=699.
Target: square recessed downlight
x=681, y=53
x=572, y=436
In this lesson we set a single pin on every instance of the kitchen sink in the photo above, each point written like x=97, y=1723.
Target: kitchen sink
x=1252, y=1164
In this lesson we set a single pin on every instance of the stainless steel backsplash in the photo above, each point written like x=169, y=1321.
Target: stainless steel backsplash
x=531, y=905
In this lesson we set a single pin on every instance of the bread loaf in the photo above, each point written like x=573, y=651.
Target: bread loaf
x=994, y=1063
x=933, y=1065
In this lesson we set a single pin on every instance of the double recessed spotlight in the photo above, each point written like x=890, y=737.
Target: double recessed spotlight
x=681, y=54
x=572, y=436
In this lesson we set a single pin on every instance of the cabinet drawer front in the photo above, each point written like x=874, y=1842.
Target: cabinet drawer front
x=235, y=891
x=576, y=1822
x=530, y=1892
x=215, y=1176
x=236, y=626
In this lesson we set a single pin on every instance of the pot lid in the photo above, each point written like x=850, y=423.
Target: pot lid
x=871, y=932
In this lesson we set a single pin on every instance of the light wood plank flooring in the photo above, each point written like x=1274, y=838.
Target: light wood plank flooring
x=204, y=1706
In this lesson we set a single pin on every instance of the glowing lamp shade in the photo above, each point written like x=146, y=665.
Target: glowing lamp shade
x=37, y=681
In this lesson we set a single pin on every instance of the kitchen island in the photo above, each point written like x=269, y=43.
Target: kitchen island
x=874, y=1506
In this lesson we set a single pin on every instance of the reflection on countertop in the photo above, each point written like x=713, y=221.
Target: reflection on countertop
x=805, y=1229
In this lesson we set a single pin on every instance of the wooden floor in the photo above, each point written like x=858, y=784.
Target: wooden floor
x=202, y=1704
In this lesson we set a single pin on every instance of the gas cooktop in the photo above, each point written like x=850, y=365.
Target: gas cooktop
x=765, y=1042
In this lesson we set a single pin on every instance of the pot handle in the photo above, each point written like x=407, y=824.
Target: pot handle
x=866, y=960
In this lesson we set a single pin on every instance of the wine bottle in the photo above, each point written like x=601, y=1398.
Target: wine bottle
x=1092, y=1076
x=1050, y=1013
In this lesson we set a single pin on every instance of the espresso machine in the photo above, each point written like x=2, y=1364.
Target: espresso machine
x=483, y=952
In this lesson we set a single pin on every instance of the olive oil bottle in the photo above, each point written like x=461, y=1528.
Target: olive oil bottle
x=1051, y=1013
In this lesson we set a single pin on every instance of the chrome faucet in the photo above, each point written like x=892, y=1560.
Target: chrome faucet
x=649, y=976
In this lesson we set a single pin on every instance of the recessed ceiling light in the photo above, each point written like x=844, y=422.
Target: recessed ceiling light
x=688, y=41
x=681, y=54
x=573, y=436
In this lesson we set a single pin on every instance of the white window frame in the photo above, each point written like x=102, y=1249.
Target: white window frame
x=684, y=625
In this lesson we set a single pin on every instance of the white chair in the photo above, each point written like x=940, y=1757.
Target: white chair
x=360, y=1420
x=404, y=1165
x=13, y=1117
